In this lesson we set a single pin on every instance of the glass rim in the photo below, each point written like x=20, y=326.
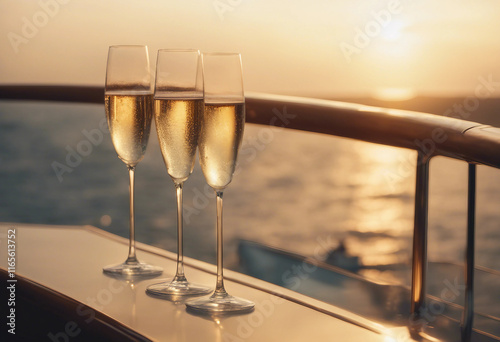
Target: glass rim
x=139, y=48
x=128, y=45
x=179, y=50
x=221, y=54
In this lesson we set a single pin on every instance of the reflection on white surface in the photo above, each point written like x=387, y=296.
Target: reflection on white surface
x=161, y=319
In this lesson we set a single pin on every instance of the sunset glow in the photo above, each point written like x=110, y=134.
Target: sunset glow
x=393, y=94
x=320, y=49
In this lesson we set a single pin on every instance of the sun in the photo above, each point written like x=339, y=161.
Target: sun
x=395, y=41
x=393, y=32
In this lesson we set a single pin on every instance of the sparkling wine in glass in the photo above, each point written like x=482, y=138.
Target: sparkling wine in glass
x=128, y=102
x=178, y=106
x=221, y=134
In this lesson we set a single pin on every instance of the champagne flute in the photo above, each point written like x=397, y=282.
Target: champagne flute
x=128, y=102
x=220, y=139
x=178, y=104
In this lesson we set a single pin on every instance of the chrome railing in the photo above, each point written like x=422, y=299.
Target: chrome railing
x=429, y=135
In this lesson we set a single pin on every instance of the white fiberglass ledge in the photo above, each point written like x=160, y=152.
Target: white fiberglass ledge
x=69, y=260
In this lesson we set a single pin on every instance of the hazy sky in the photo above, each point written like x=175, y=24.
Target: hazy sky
x=320, y=48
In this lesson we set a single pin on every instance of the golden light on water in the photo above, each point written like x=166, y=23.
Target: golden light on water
x=381, y=156
x=381, y=186
x=383, y=169
x=394, y=94
x=379, y=215
x=381, y=209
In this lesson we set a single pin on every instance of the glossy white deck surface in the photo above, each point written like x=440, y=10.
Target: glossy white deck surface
x=69, y=260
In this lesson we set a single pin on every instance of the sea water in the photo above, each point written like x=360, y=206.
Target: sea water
x=300, y=191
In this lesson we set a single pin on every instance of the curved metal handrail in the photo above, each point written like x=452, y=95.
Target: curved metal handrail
x=84, y=94
x=427, y=133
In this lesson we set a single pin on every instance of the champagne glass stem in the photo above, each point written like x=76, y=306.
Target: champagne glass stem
x=219, y=288
x=179, y=276
x=179, y=286
x=131, y=248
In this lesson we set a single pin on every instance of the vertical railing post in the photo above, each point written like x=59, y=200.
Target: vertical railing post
x=468, y=314
x=419, y=260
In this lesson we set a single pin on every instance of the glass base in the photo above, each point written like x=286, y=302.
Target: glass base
x=169, y=289
x=220, y=303
x=133, y=269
